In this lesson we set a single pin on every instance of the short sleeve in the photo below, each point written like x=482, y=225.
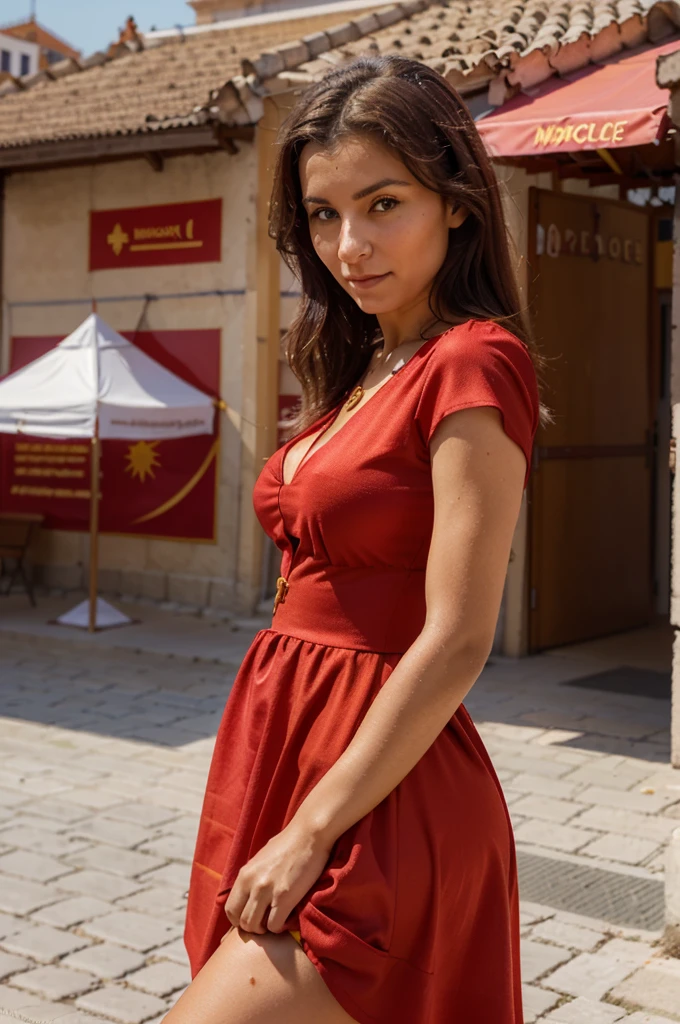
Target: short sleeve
x=481, y=363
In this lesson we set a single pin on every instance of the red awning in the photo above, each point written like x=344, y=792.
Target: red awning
x=603, y=106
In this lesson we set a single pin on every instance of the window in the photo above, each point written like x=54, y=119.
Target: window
x=5, y=58
x=25, y=64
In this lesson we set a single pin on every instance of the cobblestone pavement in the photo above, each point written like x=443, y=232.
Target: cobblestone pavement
x=103, y=758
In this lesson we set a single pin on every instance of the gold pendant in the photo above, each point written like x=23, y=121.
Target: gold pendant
x=355, y=397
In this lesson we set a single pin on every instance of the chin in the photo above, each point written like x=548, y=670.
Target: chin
x=373, y=306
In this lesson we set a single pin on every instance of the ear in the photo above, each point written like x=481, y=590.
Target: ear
x=457, y=215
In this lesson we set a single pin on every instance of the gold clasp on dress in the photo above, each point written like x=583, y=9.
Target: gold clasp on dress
x=281, y=591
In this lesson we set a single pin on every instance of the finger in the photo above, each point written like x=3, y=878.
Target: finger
x=233, y=908
x=253, y=914
x=278, y=915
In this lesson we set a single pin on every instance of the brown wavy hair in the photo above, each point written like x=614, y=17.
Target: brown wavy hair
x=410, y=108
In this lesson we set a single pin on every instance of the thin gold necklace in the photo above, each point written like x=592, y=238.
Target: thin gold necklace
x=358, y=392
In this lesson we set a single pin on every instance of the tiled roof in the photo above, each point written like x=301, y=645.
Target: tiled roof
x=504, y=46
x=134, y=88
x=499, y=44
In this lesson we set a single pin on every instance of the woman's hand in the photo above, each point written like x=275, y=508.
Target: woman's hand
x=276, y=879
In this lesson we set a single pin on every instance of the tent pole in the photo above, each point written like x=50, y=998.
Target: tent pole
x=94, y=528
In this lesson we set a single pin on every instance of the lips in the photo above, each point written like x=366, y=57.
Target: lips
x=369, y=281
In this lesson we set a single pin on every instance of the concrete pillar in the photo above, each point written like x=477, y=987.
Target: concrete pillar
x=4, y=318
x=668, y=77
x=672, y=881
x=260, y=358
x=675, y=486
x=512, y=638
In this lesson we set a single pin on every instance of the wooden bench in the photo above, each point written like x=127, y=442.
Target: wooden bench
x=16, y=533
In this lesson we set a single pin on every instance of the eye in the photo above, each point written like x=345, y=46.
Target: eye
x=323, y=213
x=385, y=204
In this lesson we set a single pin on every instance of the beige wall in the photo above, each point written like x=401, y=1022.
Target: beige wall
x=46, y=257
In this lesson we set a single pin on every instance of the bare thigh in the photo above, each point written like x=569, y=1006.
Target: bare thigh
x=257, y=979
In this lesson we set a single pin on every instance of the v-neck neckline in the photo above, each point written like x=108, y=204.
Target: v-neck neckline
x=308, y=455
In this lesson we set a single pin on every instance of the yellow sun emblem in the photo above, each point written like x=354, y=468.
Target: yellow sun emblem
x=143, y=459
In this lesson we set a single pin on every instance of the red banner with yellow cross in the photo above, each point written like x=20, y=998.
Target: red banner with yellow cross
x=151, y=236
x=164, y=489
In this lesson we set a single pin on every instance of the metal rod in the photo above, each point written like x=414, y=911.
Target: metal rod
x=33, y=303
x=94, y=530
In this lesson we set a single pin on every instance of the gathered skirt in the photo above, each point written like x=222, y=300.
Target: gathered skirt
x=415, y=918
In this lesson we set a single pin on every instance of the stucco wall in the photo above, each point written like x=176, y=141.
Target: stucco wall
x=16, y=48
x=46, y=258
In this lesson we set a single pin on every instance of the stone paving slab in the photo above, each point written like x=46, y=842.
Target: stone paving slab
x=592, y=975
x=54, y=982
x=43, y=943
x=647, y=1018
x=536, y=1002
x=130, y=928
x=21, y=897
x=569, y=936
x=97, y=884
x=11, y=964
x=103, y=759
x=160, y=979
x=655, y=986
x=105, y=960
x=540, y=958
x=121, y=1004
x=19, y=1005
x=72, y=911
x=585, y=1011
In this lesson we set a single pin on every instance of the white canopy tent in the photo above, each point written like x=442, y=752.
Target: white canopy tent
x=98, y=385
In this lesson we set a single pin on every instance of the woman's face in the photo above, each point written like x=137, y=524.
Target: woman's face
x=381, y=234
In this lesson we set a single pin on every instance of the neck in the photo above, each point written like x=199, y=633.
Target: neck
x=417, y=327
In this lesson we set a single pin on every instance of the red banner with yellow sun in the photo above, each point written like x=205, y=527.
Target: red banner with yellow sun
x=165, y=489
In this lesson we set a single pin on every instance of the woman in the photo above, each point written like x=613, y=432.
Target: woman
x=355, y=860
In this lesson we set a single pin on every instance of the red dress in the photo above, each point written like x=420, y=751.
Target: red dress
x=414, y=920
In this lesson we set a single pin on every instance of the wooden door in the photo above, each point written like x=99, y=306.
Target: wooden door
x=590, y=496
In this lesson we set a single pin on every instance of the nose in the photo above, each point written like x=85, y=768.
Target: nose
x=353, y=244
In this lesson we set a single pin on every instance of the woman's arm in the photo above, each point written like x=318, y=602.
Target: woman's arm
x=478, y=475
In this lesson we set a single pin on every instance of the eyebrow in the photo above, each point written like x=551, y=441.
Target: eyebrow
x=362, y=192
